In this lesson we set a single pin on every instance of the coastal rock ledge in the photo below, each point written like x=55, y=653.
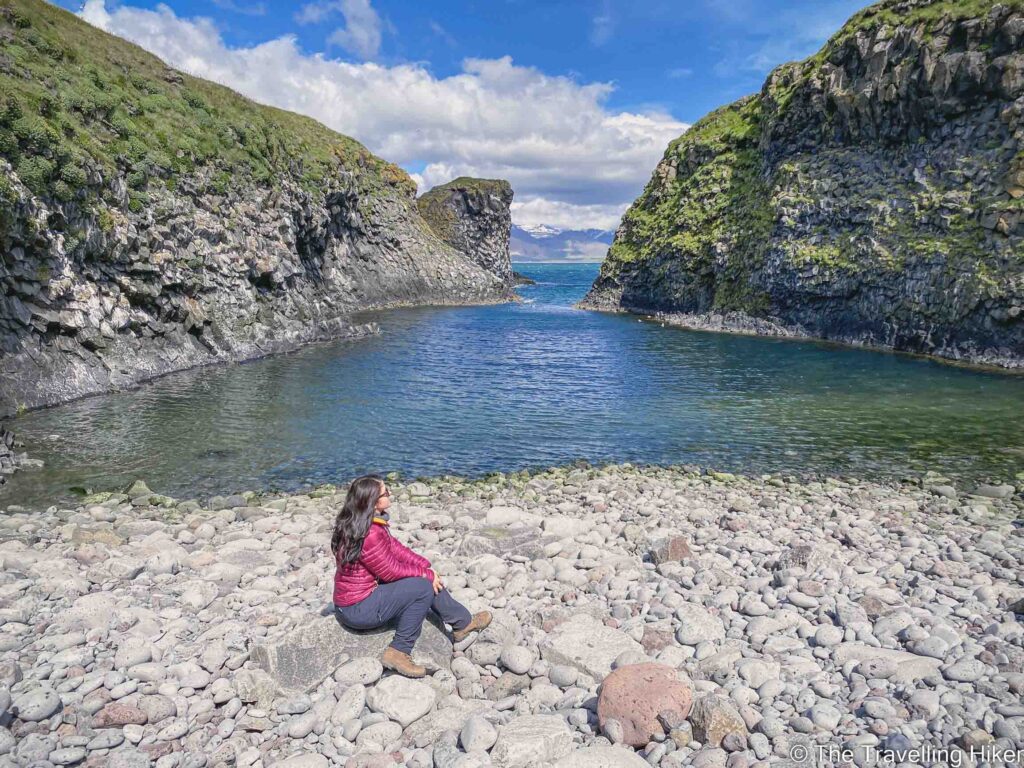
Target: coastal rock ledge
x=142, y=631
x=871, y=194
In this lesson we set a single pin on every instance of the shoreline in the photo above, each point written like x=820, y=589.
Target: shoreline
x=794, y=612
x=351, y=332
x=741, y=324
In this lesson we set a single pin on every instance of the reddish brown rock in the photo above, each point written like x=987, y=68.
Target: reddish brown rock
x=116, y=715
x=636, y=694
x=160, y=749
x=671, y=550
x=655, y=639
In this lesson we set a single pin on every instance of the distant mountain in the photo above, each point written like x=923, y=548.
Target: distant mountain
x=545, y=243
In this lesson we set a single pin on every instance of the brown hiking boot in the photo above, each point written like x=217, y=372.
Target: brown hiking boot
x=479, y=621
x=401, y=663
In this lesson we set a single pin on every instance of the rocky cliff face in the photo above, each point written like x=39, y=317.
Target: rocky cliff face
x=473, y=216
x=871, y=194
x=153, y=222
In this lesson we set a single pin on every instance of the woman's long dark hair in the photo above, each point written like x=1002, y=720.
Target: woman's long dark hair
x=355, y=518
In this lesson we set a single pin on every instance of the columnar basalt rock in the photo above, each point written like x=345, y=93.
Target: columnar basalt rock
x=179, y=224
x=870, y=195
x=473, y=216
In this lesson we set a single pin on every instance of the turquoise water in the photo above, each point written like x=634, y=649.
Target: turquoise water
x=474, y=389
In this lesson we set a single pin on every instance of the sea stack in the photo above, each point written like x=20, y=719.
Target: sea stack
x=473, y=216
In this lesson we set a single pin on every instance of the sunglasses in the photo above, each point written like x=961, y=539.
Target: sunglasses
x=386, y=493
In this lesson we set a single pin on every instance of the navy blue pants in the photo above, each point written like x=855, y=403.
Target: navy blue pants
x=410, y=600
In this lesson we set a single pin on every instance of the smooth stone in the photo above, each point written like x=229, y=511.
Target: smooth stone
x=38, y=703
x=531, y=740
x=478, y=734
x=401, y=699
x=588, y=645
x=602, y=757
x=698, y=625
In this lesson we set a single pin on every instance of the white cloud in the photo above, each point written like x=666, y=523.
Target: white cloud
x=314, y=13
x=361, y=34
x=537, y=210
x=566, y=154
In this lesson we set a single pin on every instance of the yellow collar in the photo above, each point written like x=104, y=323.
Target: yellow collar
x=380, y=521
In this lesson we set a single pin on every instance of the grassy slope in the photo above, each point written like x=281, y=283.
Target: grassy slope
x=78, y=105
x=720, y=193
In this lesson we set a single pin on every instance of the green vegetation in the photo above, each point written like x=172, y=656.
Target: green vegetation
x=719, y=199
x=703, y=225
x=470, y=184
x=886, y=13
x=433, y=205
x=79, y=106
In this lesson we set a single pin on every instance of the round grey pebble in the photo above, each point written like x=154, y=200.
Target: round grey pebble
x=517, y=659
x=37, y=704
x=563, y=675
x=68, y=755
x=478, y=734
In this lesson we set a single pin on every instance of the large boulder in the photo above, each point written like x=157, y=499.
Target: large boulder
x=403, y=700
x=587, y=644
x=909, y=668
x=299, y=660
x=505, y=542
x=531, y=740
x=636, y=694
x=713, y=718
x=673, y=549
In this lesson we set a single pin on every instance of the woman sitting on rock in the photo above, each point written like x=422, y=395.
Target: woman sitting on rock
x=378, y=579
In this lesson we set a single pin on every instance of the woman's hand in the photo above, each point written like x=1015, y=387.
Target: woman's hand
x=438, y=586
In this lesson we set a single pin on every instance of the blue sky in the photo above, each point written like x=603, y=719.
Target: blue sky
x=574, y=102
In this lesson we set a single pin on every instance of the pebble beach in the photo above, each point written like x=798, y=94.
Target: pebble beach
x=665, y=616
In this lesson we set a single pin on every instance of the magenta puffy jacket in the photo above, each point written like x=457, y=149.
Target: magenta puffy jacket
x=383, y=559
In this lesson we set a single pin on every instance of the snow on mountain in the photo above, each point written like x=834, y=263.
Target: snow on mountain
x=546, y=243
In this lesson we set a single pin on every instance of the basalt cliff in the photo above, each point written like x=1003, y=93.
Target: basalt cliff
x=151, y=221
x=473, y=216
x=872, y=194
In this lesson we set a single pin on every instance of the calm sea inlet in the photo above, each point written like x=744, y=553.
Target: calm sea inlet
x=470, y=390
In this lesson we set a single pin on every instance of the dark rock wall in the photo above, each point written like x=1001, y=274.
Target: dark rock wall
x=196, y=278
x=473, y=216
x=871, y=194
